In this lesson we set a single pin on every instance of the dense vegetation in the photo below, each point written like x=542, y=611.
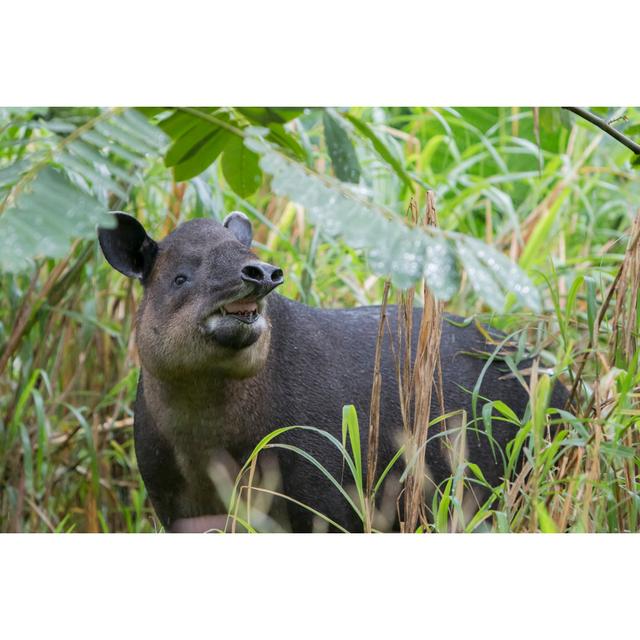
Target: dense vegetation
x=336, y=196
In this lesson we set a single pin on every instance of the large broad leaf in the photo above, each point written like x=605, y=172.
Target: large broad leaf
x=341, y=151
x=270, y=115
x=99, y=154
x=190, y=133
x=194, y=164
x=180, y=121
x=189, y=141
x=364, y=129
x=241, y=168
x=394, y=249
x=492, y=275
x=285, y=140
x=45, y=219
x=11, y=174
x=130, y=138
x=200, y=135
x=197, y=141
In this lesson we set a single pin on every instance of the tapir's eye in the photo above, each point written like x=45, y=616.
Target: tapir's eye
x=179, y=280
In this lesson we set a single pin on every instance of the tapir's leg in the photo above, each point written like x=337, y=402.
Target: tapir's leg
x=159, y=470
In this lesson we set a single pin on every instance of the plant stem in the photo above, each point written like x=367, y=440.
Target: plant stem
x=606, y=127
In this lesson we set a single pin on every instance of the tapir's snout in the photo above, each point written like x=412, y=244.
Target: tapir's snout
x=263, y=276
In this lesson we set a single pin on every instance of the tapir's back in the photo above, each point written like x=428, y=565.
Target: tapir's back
x=324, y=358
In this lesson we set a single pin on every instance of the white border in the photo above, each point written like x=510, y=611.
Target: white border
x=319, y=586
x=329, y=52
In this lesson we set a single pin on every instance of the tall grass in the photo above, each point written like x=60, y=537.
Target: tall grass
x=561, y=202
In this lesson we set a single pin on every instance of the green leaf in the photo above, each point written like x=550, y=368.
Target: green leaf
x=45, y=219
x=124, y=138
x=86, y=169
x=592, y=303
x=178, y=123
x=189, y=142
x=98, y=154
x=502, y=522
x=566, y=118
x=381, y=148
x=552, y=118
x=477, y=472
x=206, y=154
x=11, y=174
x=493, y=275
x=441, y=271
x=282, y=138
x=547, y=525
x=442, y=517
x=197, y=143
x=136, y=124
x=150, y=112
x=269, y=115
x=241, y=168
x=506, y=411
x=542, y=236
x=350, y=422
x=341, y=151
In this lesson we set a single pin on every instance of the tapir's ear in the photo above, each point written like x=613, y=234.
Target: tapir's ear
x=128, y=248
x=240, y=226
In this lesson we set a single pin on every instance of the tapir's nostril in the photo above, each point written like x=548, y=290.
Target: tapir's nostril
x=253, y=273
x=277, y=276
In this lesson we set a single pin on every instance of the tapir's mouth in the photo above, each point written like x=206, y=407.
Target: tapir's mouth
x=244, y=310
x=247, y=310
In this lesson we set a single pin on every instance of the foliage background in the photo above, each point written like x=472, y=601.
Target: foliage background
x=552, y=193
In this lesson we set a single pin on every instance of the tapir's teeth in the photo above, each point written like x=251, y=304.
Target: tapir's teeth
x=241, y=309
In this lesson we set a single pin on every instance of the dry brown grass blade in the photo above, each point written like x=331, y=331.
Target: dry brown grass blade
x=374, y=412
x=423, y=378
x=625, y=316
x=405, y=333
x=570, y=492
x=404, y=367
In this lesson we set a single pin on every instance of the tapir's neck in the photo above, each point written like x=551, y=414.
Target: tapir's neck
x=207, y=411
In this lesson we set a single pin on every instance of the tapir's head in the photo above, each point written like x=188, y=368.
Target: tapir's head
x=204, y=306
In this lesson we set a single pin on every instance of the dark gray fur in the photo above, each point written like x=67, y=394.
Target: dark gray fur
x=197, y=397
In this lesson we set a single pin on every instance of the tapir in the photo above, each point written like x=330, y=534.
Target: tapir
x=225, y=361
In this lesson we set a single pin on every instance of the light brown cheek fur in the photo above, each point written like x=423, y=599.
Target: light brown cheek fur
x=175, y=349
